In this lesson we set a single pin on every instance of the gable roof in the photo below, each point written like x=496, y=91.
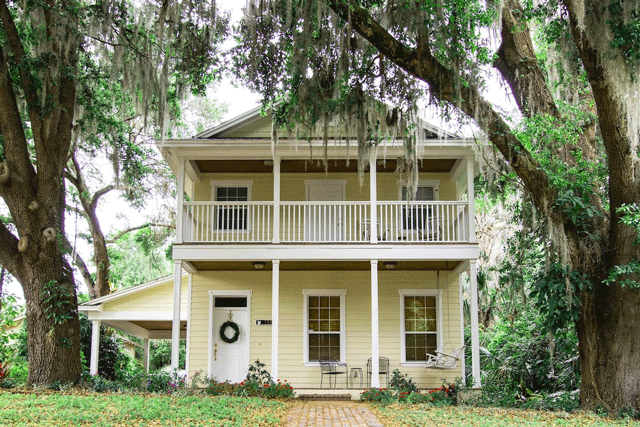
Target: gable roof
x=128, y=291
x=254, y=119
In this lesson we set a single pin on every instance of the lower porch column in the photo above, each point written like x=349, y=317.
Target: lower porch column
x=95, y=347
x=175, y=327
x=473, y=314
x=275, y=314
x=375, y=331
x=463, y=373
x=145, y=355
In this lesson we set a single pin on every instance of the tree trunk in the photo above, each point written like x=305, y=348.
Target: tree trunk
x=53, y=338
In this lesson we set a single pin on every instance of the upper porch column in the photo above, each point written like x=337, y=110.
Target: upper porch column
x=276, y=199
x=373, y=196
x=180, y=196
x=471, y=196
x=175, y=326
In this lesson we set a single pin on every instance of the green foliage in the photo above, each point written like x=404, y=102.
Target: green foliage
x=110, y=357
x=382, y=396
x=523, y=366
x=626, y=275
x=257, y=373
x=138, y=258
x=557, y=296
x=160, y=354
x=402, y=383
x=625, y=26
x=278, y=390
x=59, y=302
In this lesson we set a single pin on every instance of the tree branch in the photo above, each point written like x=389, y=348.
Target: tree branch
x=139, y=227
x=442, y=83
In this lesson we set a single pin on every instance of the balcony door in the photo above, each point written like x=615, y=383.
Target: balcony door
x=324, y=220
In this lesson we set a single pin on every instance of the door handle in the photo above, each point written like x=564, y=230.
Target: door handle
x=215, y=351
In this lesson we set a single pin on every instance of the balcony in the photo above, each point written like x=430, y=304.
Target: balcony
x=314, y=222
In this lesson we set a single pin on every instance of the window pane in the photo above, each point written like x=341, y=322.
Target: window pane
x=314, y=340
x=324, y=326
x=334, y=352
x=430, y=325
x=430, y=301
x=314, y=301
x=324, y=302
x=432, y=343
x=335, y=302
x=335, y=314
x=314, y=325
x=334, y=326
x=334, y=340
x=314, y=353
x=410, y=325
x=314, y=314
x=411, y=354
x=324, y=314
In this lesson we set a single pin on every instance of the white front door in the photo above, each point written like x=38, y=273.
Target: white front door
x=229, y=361
x=324, y=221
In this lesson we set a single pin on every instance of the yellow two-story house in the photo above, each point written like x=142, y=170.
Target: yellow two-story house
x=293, y=261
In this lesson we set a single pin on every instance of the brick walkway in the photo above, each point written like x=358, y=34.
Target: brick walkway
x=331, y=414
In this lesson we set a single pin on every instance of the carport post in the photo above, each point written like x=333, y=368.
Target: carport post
x=145, y=355
x=95, y=347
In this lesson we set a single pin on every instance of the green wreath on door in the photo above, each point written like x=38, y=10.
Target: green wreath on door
x=223, y=332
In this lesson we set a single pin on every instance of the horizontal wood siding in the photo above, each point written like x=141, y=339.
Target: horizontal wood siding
x=156, y=299
x=357, y=314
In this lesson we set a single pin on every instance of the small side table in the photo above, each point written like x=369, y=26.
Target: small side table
x=355, y=374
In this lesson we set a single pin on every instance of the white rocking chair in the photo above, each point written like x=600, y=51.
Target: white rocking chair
x=442, y=360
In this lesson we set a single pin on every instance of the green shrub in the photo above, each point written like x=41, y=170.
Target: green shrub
x=378, y=395
x=249, y=388
x=215, y=388
x=277, y=391
x=402, y=383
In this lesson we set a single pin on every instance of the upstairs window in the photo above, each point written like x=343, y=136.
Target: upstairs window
x=415, y=217
x=231, y=217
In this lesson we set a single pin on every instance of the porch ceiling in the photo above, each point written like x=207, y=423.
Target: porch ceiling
x=158, y=325
x=323, y=265
x=291, y=166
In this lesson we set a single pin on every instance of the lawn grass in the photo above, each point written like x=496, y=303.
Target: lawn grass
x=76, y=408
x=427, y=415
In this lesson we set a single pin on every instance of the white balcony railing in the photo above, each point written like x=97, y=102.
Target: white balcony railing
x=326, y=222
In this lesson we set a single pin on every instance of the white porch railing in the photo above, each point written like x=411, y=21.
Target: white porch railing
x=228, y=222
x=326, y=222
x=416, y=221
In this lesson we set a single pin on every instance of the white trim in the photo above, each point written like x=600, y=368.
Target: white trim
x=215, y=183
x=227, y=293
x=134, y=315
x=180, y=196
x=306, y=293
x=473, y=314
x=419, y=292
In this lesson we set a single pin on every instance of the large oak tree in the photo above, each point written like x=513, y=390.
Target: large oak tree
x=574, y=149
x=50, y=50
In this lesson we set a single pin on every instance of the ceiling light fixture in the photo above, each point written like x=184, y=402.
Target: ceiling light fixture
x=259, y=265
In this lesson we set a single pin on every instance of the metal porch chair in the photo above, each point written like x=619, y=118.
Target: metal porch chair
x=333, y=368
x=383, y=369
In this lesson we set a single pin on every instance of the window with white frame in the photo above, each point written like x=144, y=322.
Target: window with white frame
x=419, y=324
x=232, y=216
x=324, y=328
x=415, y=217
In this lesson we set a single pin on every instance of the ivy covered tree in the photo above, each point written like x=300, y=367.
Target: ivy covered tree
x=571, y=68
x=152, y=52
